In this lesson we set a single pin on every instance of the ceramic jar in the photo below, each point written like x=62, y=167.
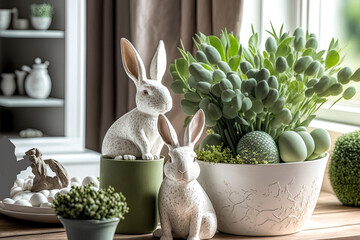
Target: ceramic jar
x=5, y=17
x=41, y=23
x=20, y=77
x=38, y=82
x=8, y=84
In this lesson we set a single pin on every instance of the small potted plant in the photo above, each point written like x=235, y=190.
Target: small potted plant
x=345, y=168
x=41, y=16
x=260, y=167
x=88, y=213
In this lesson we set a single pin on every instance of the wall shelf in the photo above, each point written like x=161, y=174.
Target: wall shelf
x=22, y=101
x=31, y=34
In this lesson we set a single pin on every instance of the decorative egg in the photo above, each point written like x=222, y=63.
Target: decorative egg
x=292, y=147
x=19, y=182
x=37, y=199
x=45, y=205
x=22, y=202
x=90, y=179
x=76, y=179
x=64, y=190
x=75, y=184
x=8, y=201
x=50, y=199
x=94, y=188
x=26, y=195
x=53, y=192
x=309, y=142
x=14, y=191
x=322, y=140
x=45, y=192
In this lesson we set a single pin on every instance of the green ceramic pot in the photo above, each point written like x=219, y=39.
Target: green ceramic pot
x=89, y=229
x=139, y=181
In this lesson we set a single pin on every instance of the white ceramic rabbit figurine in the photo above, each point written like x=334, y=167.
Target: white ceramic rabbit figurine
x=185, y=208
x=135, y=134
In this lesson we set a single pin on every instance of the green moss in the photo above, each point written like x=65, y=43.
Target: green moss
x=218, y=154
x=84, y=202
x=42, y=10
x=344, y=169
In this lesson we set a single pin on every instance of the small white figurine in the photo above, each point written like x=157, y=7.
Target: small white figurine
x=135, y=135
x=185, y=208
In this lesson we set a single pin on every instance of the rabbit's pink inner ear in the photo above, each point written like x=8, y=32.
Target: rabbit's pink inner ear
x=129, y=58
x=196, y=126
x=165, y=131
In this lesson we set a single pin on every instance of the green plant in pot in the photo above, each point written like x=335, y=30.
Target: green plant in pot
x=41, y=16
x=345, y=169
x=258, y=105
x=88, y=213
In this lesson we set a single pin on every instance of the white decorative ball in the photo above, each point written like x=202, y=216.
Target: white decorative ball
x=53, y=192
x=64, y=190
x=75, y=184
x=22, y=202
x=76, y=179
x=45, y=192
x=14, y=191
x=50, y=199
x=45, y=205
x=94, y=188
x=8, y=201
x=90, y=179
x=37, y=199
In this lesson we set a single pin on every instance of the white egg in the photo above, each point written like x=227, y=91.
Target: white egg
x=19, y=182
x=37, y=199
x=94, y=188
x=90, y=179
x=76, y=179
x=45, y=192
x=14, y=191
x=50, y=199
x=22, y=202
x=45, y=205
x=65, y=190
x=75, y=184
x=53, y=192
x=8, y=201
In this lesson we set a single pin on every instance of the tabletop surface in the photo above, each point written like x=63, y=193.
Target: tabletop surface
x=331, y=220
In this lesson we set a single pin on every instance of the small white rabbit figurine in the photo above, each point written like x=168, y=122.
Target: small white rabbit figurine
x=185, y=208
x=135, y=135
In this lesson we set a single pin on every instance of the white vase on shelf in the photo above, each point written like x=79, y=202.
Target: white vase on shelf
x=20, y=77
x=41, y=23
x=8, y=84
x=38, y=82
x=5, y=17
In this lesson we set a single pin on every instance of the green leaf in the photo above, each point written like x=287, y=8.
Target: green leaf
x=186, y=121
x=191, y=59
x=234, y=63
x=269, y=66
x=182, y=68
x=286, y=41
x=207, y=67
x=216, y=43
x=233, y=47
x=318, y=56
x=332, y=58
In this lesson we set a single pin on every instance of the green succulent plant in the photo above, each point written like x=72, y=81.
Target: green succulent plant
x=41, y=10
x=344, y=169
x=85, y=202
x=243, y=89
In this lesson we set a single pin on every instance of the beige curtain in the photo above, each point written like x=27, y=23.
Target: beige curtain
x=144, y=22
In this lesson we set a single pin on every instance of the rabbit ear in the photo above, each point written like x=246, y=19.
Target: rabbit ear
x=158, y=63
x=167, y=132
x=194, y=129
x=133, y=65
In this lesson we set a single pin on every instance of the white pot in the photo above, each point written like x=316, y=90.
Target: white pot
x=5, y=17
x=41, y=23
x=38, y=82
x=265, y=199
x=8, y=84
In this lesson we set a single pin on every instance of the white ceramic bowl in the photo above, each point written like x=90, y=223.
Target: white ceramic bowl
x=265, y=199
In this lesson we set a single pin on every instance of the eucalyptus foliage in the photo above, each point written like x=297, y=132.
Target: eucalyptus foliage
x=41, y=10
x=243, y=89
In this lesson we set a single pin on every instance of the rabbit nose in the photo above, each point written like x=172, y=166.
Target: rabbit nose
x=182, y=172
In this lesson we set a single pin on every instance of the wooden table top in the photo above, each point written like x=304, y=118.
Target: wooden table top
x=331, y=220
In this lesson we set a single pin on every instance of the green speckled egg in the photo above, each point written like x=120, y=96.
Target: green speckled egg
x=258, y=145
